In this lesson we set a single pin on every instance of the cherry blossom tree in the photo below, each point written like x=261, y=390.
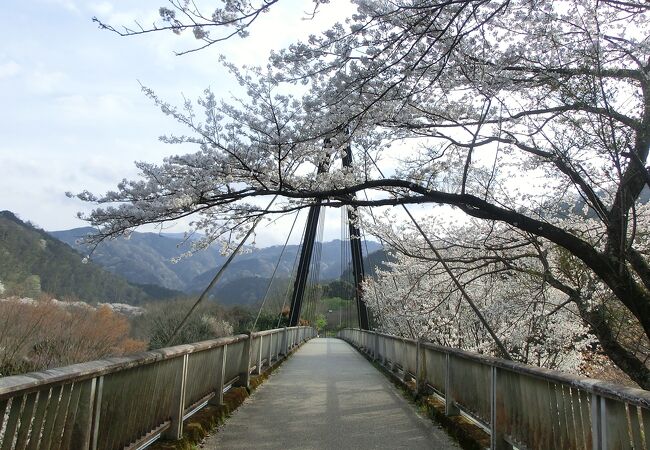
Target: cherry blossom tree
x=531, y=115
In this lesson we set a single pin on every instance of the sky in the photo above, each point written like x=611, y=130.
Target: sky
x=74, y=117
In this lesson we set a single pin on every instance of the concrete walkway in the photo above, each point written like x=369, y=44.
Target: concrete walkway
x=327, y=396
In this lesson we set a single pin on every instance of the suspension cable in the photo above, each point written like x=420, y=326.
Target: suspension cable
x=291, y=276
x=460, y=287
x=217, y=277
x=455, y=280
x=275, y=269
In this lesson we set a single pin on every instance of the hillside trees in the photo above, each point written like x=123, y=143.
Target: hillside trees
x=160, y=321
x=510, y=111
x=42, y=335
x=32, y=262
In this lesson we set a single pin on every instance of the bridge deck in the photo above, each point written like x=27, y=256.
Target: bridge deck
x=327, y=396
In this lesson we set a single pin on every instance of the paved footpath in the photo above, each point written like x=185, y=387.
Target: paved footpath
x=328, y=396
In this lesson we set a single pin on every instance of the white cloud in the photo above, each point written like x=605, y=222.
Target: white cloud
x=74, y=117
x=45, y=82
x=68, y=5
x=93, y=107
x=9, y=69
x=101, y=8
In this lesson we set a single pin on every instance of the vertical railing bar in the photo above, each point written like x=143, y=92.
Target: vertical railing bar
x=175, y=431
x=71, y=415
x=149, y=402
x=259, y=355
x=450, y=407
x=82, y=432
x=285, y=342
x=132, y=396
x=97, y=410
x=26, y=417
x=50, y=416
x=222, y=378
x=16, y=408
x=493, y=408
x=635, y=426
x=61, y=414
x=39, y=418
x=244, y=368
x=597, y=440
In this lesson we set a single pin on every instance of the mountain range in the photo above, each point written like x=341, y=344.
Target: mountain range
x=142, y=268
x=148, y=259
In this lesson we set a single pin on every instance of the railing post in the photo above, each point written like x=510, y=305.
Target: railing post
x=245, y=368
x=217, y=400
x=259, y=356
x=83, y=427
x=420, y=368
x=285, y=342
x=94, y=434
x=497, y=442
x=393, y=356
x=175, y=431
x=598, y=418
x=271, y=349
x=450, y=406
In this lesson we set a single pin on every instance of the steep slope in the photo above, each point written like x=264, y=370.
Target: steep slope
x=260, y=263
x=147, y=259
x=31, y=262
x=249, y=289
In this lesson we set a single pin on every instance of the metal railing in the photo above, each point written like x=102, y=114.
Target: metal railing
x=129, y=402
x=520, y=406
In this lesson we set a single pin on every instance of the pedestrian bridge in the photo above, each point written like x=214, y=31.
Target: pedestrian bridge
x=325, y=396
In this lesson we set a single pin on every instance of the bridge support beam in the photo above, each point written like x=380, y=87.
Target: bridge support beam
x=245, y=367
x=308, y=247
x=303, y=265
x=175, y=431
x=217, y=400
x=357, y=270
x=450, y=405
x=357, y=254
x=497, y=442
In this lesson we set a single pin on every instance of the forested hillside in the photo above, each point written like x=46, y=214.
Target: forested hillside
x=32, y=262
x=148, y=258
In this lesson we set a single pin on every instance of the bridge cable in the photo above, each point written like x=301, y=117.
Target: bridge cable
x=312, y=294
x=455, y=280
x=217, y=277
x=374, y=287
x=351, y=313
x=292, y=276
x=344, y=264
x=461, y=288
x=275, y=269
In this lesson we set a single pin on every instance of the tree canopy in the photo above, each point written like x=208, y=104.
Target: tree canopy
x=532, y=116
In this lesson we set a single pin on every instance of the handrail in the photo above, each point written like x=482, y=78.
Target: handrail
x=144, y=395
x=614, y=391
x=521, y=405
x=21, y=384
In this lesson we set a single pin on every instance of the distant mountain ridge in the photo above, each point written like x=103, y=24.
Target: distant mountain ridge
x=146, y=259
x=32, y=262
